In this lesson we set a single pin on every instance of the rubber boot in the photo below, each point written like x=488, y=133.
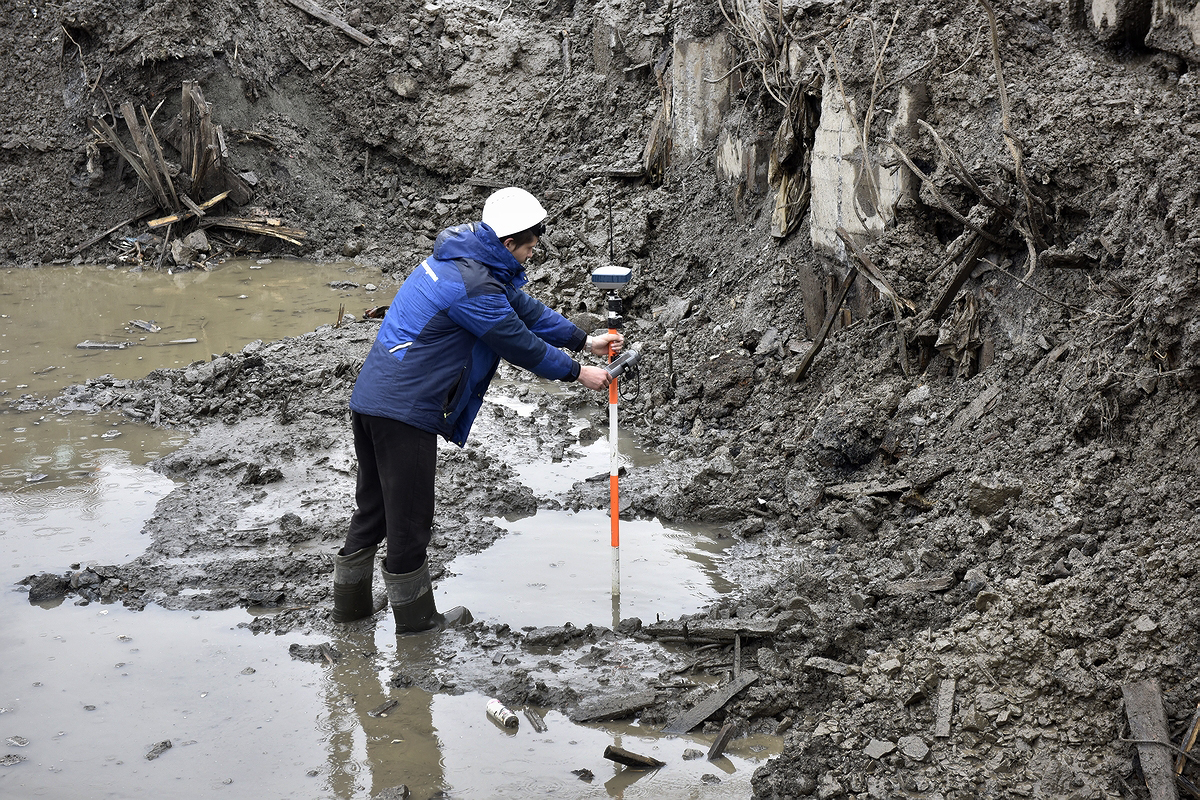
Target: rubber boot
x=352, y=585
x=411, y=596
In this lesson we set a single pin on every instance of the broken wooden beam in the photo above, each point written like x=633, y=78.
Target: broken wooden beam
x=114, y=228
x=249, y=225
x=960, y=277
x=109, y=135
x=834, y=310
x=150, y=172
x=535, y=719
x=629, y=759
x=851, y=491
x=1148, y=727
x=710, y=705
x=719, y=744
x=1189, y=741
x=724, y=630
x=160, y=160
x=330, y=19
x=187, y=214
x=920, y=585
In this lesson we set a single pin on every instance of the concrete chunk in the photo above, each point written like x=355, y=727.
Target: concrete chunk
x=613, y=707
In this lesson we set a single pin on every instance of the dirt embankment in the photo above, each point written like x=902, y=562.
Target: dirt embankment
x=988, y=527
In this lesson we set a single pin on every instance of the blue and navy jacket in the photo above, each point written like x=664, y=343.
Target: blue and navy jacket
x=455, y=316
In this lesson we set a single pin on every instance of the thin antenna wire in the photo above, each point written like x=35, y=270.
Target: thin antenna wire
x=611, y=255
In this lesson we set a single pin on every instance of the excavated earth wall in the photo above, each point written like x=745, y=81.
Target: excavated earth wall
x=968, y=521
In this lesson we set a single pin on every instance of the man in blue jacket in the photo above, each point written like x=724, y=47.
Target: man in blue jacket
x=455, y=316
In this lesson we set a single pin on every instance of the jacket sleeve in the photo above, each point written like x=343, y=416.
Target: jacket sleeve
x=493, y=319
x=545, y=322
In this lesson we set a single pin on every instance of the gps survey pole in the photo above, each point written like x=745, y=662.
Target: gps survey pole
x=612, y=278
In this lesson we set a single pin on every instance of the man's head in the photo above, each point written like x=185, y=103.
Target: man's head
x=517, y=219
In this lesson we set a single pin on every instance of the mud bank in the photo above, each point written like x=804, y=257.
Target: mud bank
x=960, y=529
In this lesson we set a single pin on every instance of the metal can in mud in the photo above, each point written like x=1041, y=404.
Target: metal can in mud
x=501, y=715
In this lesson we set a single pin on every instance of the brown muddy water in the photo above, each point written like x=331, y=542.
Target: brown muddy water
x=86, y=692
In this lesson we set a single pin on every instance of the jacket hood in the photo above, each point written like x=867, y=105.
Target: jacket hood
x=477, y=241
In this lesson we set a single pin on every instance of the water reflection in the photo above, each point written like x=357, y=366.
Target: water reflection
x=555, y=567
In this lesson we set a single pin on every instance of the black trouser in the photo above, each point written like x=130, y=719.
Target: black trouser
x=396, y=465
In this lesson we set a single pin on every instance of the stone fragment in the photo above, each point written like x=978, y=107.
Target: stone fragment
x=158, y=749
x=828, y=787
x=46, y=587
x=620, y=706
x=829, y=665
x=985, y=498
x=913, y=747
x=877, y=748
x=403, y=84
x=197, y=240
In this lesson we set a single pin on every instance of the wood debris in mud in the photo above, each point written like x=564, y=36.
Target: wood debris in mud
x=630, y=759
x=202, y=171
x=710, y=705
x=329, y=18
x=1148, y=729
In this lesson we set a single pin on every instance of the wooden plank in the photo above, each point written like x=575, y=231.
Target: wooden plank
x=191, y=205
x=725, y=630
x=960, y=277
x=160, y=160
x=293, y=235
x=945, y=708
x=722, y=740
x=630, y=759
x=920, y=585
x=975, y=409
x=850, y=491
x=830, y=316
x=710, y=705
x=329, y=19
x=1148, y=727
x=139, y=141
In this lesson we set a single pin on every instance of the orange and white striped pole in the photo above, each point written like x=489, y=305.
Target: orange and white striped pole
x=611, y=278
x=614, y=466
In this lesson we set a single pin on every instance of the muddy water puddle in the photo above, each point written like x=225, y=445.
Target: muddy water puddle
x=46, y=313
x=90, y=692
x=555, y=567
x=87, y=691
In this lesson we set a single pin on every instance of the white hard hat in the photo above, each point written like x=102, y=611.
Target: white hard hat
x=512, y=210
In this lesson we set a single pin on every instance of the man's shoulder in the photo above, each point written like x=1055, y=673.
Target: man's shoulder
x=477, y=278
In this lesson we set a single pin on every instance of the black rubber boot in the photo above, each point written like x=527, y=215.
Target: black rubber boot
x=352, y=585
x=411, y=596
